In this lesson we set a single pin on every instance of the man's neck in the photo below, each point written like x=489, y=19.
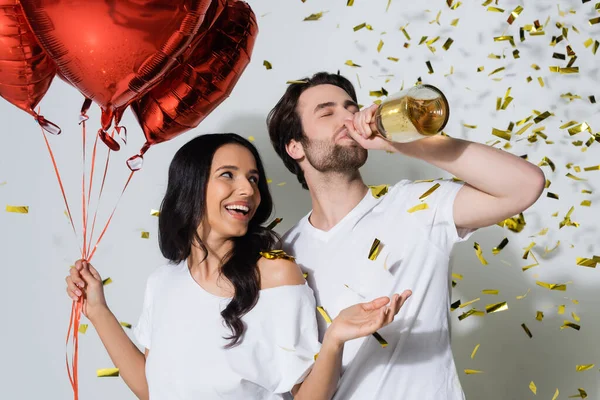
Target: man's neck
x=333, y=197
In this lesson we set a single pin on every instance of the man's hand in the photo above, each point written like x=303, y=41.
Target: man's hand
x=360, y=130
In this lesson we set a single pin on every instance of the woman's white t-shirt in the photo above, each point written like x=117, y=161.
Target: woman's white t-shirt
x=181, y=325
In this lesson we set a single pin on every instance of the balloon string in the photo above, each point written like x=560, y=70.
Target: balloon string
x=101, y=186
x=83, y=202
x=110, y=218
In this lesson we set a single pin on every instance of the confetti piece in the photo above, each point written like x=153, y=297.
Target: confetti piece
x=276, y=254
x=542, y=117
x=418, y=207
x=18, y=209
x=533, y=388
x=539, y=315
x=469, y=313
x=552, y=286
x=588, y=262
x=107, y=372
x=429, y=191
x=314, y=17
x=514, y=14
x=479, y=254
x=586, y=367
x=380, y=46
x=510, y=39
x=496, y=307
x=375, y=249
x=305, y=275
x=380, y=339
x=501, y=134
x=472, y=371
x=403, y=29
x=447, y=44
x=561, y=309
x=523, y=296
x=567, y=220
x=474, y=352
x=582, y=394
x=454, y=22
x=251, y=138
x=145, y=235
x=379, y=190
x=274, y=223
x=378, y=93
x=586, y=203
x=155, y=213
x=324, y=314
x=575, y=316
x=468, y=303
x=470, y=126
x=547, y=161
x=592, y=99
x=455, y=305
x=292, y=82
x=107, y=281
x=281, y=184
x=594, y=21
x=552, y=195
x=267, y=65
x=394, y=59
x=83, y=328
x=501, y=246
x=457, y=276
x=490, y=291
x=126, y=325
x=526, y=329
x=569, y=324
x=556, y=393
x=350, y=3
x=429, y=67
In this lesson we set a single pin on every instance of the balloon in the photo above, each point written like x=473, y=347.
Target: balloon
x=195, y=88
x=113, y=51
x=26, y=71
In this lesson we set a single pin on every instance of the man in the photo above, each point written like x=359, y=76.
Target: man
x=358, y=244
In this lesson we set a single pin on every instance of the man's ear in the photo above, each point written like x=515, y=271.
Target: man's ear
x=295, y=149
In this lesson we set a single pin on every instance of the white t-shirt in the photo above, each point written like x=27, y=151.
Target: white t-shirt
x=182, y=326
x=414, y=254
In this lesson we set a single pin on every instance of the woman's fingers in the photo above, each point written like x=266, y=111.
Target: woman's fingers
x=72, y=290
x=376, y=304
x=95, y=273
x=75, y=276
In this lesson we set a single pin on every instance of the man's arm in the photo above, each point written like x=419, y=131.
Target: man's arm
x=498, y=184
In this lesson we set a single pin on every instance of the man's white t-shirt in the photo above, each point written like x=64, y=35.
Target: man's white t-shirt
x=182, y=326
x=414, y=254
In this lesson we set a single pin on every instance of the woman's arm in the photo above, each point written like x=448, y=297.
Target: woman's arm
x=85, y=280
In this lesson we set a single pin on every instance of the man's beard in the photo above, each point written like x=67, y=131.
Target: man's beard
x=325, y=156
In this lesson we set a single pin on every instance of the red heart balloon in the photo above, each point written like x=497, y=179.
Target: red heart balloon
x=26, y=71
x=113, y=51
x=195, y=88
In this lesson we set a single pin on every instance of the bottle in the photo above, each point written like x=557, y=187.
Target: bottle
x=412, y=114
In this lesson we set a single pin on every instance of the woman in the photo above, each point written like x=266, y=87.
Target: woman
x=222, y=320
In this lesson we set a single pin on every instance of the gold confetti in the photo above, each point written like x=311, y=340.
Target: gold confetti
x=454, y=22
x=561, y=309
x=570, y=175
x=107, y=372
x=469, y=313
x=83, y=328
x=267, y=65
x=532, y=387
x=539, y=315
x=526, y=329
x=379, y=190
x=394, y=59
x=18, y=209
x=588, y=262
x=378, y=93
x=594, y=168
x=454, y=305
x=582, y=394
x=567, y=220
x=521, y=297
x=314, y=17
x=470, y=126
x=594, y=21
x=350, y=3
x=429, y=67
x=292, y=82
x=429, y=191
x=352, y=64
x=496, y=307
x=547, y=161
x=126, y=325
x=274, y=223
x=375, y=249
x=490, y=291
x=145, y=235
x=474, y=352
x=251, y=138
x=380, y=339
x=586, y=203
x=479, y=254
x=447, y=44
x=514, y=14
x=552, y=195
x=457, y=276
x=552, y=286
x=586, y=367
x=324, y=314
x=569, y=324
x=496, y=71
x=514, y=224
x=510, y=39
x=305, y=275
x=276, y=254
x=472, y=371
x=501, y=134
x=418, y=207
x=107, y=281
x=468, y=303
x=281, y=184
x=380, y=46
x=403, y=29
x=575, y=316
x=592, y=98
x=501, y=246
x=155, y=213
x=556, y=393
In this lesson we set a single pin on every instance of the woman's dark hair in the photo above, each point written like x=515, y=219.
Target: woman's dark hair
x=183, y=209
x=285, y=124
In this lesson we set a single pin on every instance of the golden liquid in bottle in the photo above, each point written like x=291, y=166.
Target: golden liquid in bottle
x=407, y=119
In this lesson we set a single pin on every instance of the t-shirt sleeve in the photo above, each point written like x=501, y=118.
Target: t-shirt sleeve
x=437, y=220
x=290, y=338
x=142, y=330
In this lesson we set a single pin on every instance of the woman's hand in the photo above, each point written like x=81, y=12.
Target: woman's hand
x=84, y=280
x=365, y=318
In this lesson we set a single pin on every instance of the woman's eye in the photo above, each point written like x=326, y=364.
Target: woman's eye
x=227, y=174
x=253, y=179
x=326, y=115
